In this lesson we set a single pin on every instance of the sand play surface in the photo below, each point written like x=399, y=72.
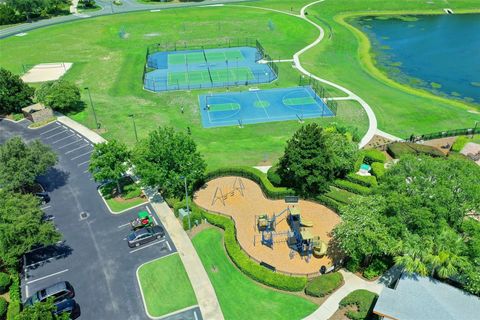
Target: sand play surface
x=46, y=72
x=243, y=210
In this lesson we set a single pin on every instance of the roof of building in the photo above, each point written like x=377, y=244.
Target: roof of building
x=423, y=298
x=34, y=107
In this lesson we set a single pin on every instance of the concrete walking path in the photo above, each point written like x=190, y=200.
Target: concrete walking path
x=206, y=296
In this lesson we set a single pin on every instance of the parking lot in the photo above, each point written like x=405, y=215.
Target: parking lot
x=93, y=254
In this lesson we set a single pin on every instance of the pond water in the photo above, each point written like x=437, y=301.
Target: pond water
x=440, y=53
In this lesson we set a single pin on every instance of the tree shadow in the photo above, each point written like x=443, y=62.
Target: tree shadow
x=44, y=255
x=53, y=179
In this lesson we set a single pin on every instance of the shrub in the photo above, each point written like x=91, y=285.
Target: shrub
x=459, y=143
x=341, y=196
x=3, y=307
x=352, y=187
x=378, y=169
x=399, y=149
x=367, y=181
x=352, y=265
x=324, y=285
x=248, y=266
x=273, y=176
x=4, y=282
x=329, y=202
x=374, y=155
x=256, y=175
x=15, y=302
x=359, y=161
x=376, y=268
x=363, y=299
x=131, y=191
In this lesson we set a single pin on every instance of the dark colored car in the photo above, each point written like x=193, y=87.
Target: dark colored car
x=43, y=197
x=62, y=294
x=145, y=235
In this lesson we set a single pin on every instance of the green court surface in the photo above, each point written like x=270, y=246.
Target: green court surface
x=191, y=77
x=232, y=74
x=180, y=58
x=199, y=57
x=223, y=107
x=298, y=101
x=224, y=56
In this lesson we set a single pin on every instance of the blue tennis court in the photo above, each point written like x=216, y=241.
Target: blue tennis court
x=247, y=107
x=206, y=68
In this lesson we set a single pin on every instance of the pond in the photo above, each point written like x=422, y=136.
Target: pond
x=440, y=53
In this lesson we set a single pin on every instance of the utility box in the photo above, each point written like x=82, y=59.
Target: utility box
x=182, y=213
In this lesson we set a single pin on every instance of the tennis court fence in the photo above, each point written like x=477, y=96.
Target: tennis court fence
x=320, y=91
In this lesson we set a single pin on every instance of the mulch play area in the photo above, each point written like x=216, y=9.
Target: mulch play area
x=244, y=201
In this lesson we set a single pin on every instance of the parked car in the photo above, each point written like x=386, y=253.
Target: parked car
x=62, y=294
x=145, y=235
x=43, y=197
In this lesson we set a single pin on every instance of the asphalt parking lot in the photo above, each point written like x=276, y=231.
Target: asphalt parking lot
x=93, y=254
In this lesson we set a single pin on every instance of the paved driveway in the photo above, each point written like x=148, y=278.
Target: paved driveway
x=93, y=254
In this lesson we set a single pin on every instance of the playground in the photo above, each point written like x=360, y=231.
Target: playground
x=290, y=237
x=206, y=68
x=256, y=106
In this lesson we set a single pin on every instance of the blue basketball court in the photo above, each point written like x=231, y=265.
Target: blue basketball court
x=247, y=107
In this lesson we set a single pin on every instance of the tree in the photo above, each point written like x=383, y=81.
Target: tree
x=314, y=157
x=59, y=95
x=21, y=163
x=21, y=227
x=363, y=234
x=28, y=8
x=109, y=162
x=14, y=93
x=41, y=311
x=87, y=3
x=165, y=158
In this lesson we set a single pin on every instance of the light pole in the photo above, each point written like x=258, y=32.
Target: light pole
x=93, y=108
x=186, y=202
x=134, y=126
x=475, y=128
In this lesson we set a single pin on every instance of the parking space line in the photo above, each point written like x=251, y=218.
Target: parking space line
x=195, y=315
x=50, y=130
x=26, y=291
x=123, y=225
x=168, y=245
x=81, y=164
x=62, y=139
x=73, y=150
x=148, y=209
x=148, y=245
x=86, y=171
x=68, y=144
x=83, y=154
x=48, y=276
x=46, y=207
x=79, y=135
x=55, y=134
x=46, y=260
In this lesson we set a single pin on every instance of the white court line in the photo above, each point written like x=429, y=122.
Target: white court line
x=123, y=225
x=68, y=144
x=168, y=245
x=63, y=138
x=73, y=150
x=81, y=164
x=82, y=155
x=50, y=130
x=46, y=207
x=56, y=134
x=50, y=275
x=148, y=245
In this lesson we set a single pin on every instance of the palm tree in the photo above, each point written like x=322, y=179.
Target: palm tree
x=414, y=256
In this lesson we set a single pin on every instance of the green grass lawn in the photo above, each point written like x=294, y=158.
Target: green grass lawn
x=239, y=296
x=130, y=197
x=112, y=68
x=165, y=286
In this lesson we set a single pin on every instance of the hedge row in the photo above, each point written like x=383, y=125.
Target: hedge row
x=374, y=155
x=247, y=265
x=399, y=149
x=339, y=195
x=15, y=299
x=329, y=202
x=274, y=177
x=378, y=169
x=256, y=175
x=363, y=299
x=367, y=181
x=360, y=159
x=352, y=187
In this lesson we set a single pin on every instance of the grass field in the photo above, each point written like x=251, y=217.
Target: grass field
x=239, y=296
x=165, y=286
x=112, y=68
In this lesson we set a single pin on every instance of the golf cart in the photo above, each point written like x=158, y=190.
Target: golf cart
x=143, y=220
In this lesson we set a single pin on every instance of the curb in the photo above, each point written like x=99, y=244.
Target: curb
x=125, y=210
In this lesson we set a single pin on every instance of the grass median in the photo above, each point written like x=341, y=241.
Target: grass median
x=165, y=286
x=239, y=296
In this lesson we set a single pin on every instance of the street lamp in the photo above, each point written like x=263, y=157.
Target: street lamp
x=475, y=128
x=91, y=103
x=186, y=202
x=134, y=126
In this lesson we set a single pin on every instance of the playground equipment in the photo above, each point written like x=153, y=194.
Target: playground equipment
x=144, y=219
x=220, y=194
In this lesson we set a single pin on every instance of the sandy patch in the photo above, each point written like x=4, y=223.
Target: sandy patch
x=471, y=149
x=46, y=72
x=243, y=210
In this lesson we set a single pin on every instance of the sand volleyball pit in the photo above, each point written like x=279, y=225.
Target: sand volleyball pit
x=292, y=237
x=45, y=71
